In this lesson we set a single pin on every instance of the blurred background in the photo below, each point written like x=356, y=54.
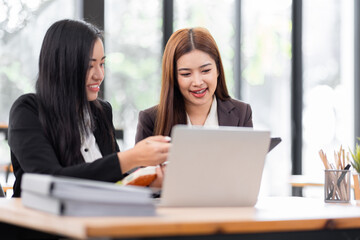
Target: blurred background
x=293, y=61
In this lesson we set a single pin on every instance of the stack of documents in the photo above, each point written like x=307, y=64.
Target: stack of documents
x=79, y=197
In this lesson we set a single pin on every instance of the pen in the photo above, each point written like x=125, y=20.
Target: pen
x=342, y=175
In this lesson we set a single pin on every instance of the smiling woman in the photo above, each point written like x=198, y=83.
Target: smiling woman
x=63, y=128
x=193, y=89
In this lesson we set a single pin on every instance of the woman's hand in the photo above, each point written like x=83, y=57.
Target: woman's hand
x=151, y=151
x=157, y=183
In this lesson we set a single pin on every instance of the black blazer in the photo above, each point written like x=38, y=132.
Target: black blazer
x=32, y=152
x=230, y=112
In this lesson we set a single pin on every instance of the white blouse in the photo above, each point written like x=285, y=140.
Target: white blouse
x=90, y=149
x=212, y=117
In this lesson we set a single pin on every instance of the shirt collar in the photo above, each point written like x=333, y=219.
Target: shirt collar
x=212, y=117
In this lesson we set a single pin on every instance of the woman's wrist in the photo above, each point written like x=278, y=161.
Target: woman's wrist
x=127, y=160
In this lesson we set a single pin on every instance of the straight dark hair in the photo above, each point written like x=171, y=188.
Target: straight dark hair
x=60, y=88
x=171, y=109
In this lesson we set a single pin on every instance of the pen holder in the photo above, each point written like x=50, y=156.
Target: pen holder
x=337, y=185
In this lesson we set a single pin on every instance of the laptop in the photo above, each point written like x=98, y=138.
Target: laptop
x=214, y=167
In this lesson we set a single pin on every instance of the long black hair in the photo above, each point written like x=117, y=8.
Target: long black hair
x=60, y=88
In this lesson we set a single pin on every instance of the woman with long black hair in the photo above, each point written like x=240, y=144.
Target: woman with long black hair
x=64, y=129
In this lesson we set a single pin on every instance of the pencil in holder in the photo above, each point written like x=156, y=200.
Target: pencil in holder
x=337, y=185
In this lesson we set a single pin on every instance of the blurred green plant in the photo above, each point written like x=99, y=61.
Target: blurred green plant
x=355, y=162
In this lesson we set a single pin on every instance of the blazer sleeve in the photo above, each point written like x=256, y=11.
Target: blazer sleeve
x=34, y=153
x=248, y=116
x=146, y=124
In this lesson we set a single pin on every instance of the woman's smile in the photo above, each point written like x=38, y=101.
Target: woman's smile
x=94, y=87
x=199, y=93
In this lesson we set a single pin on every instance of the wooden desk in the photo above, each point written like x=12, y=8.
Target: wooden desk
x=270, y=215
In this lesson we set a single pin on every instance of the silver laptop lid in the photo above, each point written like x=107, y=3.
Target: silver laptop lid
x=214, y=166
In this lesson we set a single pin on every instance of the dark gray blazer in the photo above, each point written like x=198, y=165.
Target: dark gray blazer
x=231, y=112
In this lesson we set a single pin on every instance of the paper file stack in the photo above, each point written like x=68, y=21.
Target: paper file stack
x=78, y=197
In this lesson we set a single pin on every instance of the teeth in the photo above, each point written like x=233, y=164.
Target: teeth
x=94, y=86
x=201, y=91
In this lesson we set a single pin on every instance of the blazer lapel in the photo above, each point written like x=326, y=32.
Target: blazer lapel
x=104, y=144
x=225, y=113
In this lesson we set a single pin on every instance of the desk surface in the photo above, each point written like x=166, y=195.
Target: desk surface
x=269, y=215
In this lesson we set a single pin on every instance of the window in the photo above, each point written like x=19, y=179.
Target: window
x=328, y=81
x=133, y=41
x=218, y=18
x=266, y=81
x=21, y=34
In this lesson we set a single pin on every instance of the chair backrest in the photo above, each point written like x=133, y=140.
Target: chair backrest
x=2, y=194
